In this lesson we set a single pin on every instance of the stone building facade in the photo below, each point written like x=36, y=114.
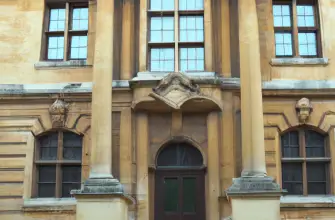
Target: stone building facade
x=167, y=109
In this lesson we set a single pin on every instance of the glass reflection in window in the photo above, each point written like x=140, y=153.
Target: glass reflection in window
x=281, y=15
x=162, y=29
x=162, y=59
x=57, y=20
x=191, y=4
x=305, y=16
x=80, y=19
x=56, y=48
x=191, y=29
x=307, y=44
x=162, y=5
x=283, y=44
x=192, y=59
x=78, y=47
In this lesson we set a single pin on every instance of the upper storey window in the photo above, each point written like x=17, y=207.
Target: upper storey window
x=65, y=32
x=296, y=26
x=176, y=36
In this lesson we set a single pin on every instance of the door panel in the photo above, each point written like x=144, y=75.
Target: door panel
x=179, y=195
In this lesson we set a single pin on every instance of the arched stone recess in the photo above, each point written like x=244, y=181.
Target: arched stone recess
x=22, y=123
x=278, y=120
x=327, y=121
x=176, y=139
x=178, y=92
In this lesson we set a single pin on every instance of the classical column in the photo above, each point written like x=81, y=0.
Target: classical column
x=254, y=195
x=101, y=196
x=128, y=40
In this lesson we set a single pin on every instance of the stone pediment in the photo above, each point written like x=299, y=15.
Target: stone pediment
x=175, y=89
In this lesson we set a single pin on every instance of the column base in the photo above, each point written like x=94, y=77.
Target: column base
x=102, y=198
x=255, y=198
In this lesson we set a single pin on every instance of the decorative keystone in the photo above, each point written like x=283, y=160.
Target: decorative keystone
x=58, y=112
x=304, y=109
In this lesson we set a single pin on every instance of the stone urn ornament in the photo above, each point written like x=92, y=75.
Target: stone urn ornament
x=304, y=109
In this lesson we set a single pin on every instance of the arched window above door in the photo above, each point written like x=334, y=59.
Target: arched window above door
x=179, y=155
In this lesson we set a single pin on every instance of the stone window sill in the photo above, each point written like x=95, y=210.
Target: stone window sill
x=61, y=64
x=307, y=201
x=299, y=61
x=49, y=205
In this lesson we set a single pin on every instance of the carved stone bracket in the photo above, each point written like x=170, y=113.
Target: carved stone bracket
x=175, y=89
x=304, y=109
x=58, y=112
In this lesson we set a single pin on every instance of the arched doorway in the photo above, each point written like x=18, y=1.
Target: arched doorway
x=179, y=183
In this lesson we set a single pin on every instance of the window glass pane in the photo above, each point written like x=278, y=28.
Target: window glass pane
x=46, y=181
x=191, y=59
x=315, y=146
x=71, y=179
x=307, y=44
x=80, y=19
x=281, y=15
x=191, y=29
x=316, y=178
x=72, y=146
x=162, y=5
x=162, y=59
x=78, y=47
x=171, y=192
x=162, y=29
x=48, y=146
x=292, y=178
x=46, y=190
x=305, y=16
x=55, y=48
x=180, y=155
x=191, y=4
x=57, y=20
x=189, y=194
x=290, y=144
x=283, y=44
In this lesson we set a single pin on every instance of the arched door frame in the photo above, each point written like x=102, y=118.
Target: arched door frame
x=180, y=171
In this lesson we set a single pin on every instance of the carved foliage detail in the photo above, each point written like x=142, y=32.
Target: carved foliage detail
x=58, y=112
x=304, y=108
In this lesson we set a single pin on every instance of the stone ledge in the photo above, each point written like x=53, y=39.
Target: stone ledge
x=61, y=64
x=49, y=205
x=299, y=61
x=326, y=201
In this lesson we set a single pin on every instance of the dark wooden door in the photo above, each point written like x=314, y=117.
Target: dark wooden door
x=179, y=195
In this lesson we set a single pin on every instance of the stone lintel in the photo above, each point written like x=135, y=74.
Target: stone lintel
x=254, y=187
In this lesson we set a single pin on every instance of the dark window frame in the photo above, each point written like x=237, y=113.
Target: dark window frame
x=304, y=160
x=176, y=44
x=295, y=30
x=67, y=33
x=59, y=163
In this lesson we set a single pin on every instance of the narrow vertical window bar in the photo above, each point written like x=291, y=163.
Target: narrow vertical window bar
x=176, y=35
x=66, y=31
x=295, y=28
x=58, y=165
x=304, y=165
